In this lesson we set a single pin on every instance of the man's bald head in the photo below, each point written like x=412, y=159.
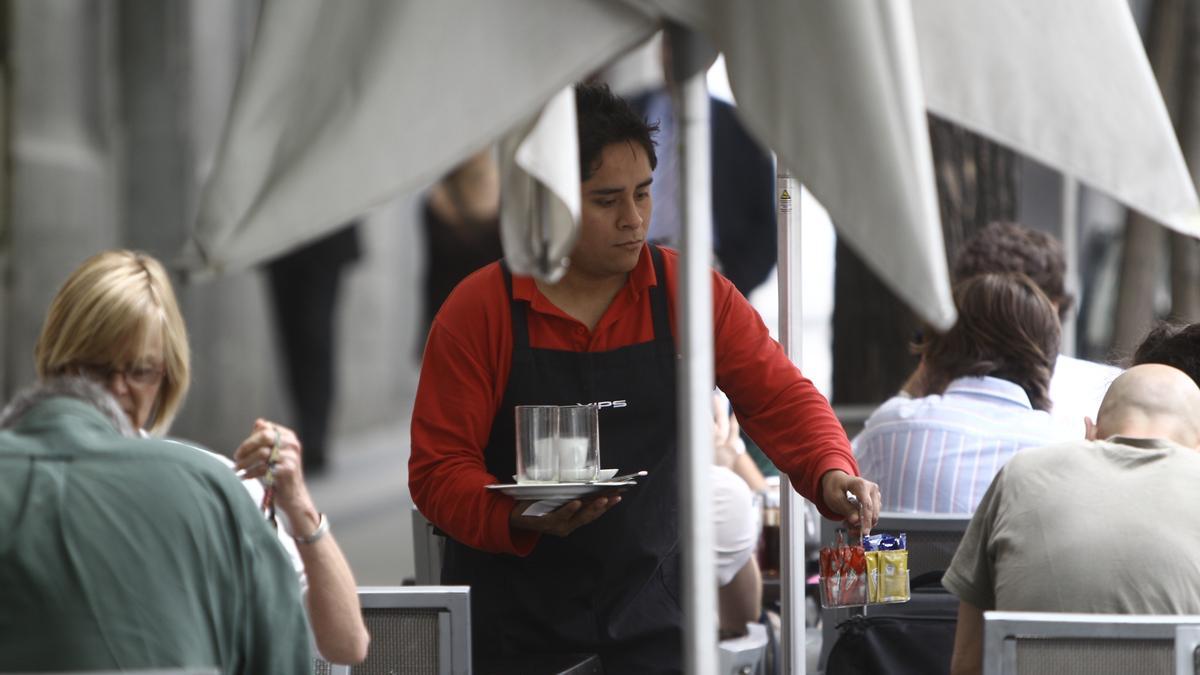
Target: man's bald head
x=1152, y=401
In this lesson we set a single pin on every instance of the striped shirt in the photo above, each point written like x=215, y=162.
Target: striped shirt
x=938, y=454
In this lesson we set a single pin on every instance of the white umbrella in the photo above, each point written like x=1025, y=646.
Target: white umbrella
x=834, y=89
x=344, y=105
x=1066, y=83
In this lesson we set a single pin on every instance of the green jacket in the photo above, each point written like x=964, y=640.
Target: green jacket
x=119, y=553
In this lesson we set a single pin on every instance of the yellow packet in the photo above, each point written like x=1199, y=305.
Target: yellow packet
x=893, y=576
x=873, y=589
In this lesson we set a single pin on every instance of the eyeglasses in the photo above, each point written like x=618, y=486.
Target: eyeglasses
x=138, y=376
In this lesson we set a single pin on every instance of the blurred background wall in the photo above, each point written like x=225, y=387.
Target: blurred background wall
x=114, y=113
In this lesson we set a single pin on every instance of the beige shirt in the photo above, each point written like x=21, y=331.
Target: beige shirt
x=1087, y=526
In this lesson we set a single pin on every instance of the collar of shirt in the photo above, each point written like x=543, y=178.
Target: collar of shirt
x=641, y=278
x=63, y=411
x=1144, y=443
x=990, y=387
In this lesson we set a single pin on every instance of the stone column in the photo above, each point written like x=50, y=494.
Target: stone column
x=65, y=156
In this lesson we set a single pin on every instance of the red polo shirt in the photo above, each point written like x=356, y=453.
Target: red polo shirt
x=465, y=371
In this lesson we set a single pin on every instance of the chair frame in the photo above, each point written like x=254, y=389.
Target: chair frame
x=1001, y=630
x=454, y=606
x=427, y=549
x=922, y=522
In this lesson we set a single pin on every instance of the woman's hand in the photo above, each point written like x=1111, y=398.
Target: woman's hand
x=273, y=449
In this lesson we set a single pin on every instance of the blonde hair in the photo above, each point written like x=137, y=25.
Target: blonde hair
x=102, y=316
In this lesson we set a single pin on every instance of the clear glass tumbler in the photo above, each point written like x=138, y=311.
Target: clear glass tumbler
x=578, y=443
x=537, y=454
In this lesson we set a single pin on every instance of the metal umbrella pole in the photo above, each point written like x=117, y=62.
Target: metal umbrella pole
x=791, y=504
x=690, y=58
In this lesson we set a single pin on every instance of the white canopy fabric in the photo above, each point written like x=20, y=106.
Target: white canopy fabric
x=834, y=89
x=344, y=105
x=1066, y=83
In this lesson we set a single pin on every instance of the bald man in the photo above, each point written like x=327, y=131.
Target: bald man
x=1103, y=526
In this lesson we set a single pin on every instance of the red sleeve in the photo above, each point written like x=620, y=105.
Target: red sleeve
x=463, y=376
x=779, y=408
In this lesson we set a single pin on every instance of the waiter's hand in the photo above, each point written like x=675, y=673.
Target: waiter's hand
x=565, y=519
x=834, y=486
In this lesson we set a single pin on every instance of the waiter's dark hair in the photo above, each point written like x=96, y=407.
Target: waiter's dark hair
x=1006, y=328
x=603, y=118
x=1172, y=344
x=1011, y=247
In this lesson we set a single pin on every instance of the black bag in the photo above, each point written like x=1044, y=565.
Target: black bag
x=916, y=637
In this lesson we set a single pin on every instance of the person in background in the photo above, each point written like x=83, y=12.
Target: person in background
x=731, y=446
x=988, y=381
x=743, y=185
x=305, y=285
x=116, y=319
x=1108, y=525
x=602, y=575
x=1078, y=385
x=118, y=552
x=1172, y=344
x=736, y=517
x=461, y=219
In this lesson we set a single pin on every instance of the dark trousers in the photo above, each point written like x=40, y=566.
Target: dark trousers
x=304, y=289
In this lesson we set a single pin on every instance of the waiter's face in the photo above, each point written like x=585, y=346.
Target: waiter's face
x=616, y=213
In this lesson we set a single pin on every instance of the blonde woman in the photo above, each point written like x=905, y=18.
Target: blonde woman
x=116, y=319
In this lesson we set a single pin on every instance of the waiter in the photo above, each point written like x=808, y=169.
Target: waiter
x=601, y=575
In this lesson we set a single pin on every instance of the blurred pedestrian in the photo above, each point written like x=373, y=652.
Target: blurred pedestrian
x=305, y=290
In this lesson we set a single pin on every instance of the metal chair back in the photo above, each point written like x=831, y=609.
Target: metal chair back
x=414, y=630
x=1031, y=643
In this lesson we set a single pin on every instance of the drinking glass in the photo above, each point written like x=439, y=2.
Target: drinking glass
x=537, y=455
x=578, y=443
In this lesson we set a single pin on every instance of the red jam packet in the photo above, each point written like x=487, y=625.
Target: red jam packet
x=843, y=574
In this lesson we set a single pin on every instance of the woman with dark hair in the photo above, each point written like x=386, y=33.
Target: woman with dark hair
x=982, y=394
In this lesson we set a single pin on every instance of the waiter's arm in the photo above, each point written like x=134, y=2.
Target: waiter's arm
x=458, y=392
x=784, y=412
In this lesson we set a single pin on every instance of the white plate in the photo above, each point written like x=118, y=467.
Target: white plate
x=558, y=491
x=601, y=476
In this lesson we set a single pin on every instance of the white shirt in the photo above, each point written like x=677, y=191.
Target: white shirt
x=736, y=521
x=938, y=454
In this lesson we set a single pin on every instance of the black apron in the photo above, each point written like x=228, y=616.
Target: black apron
x=612, y=586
